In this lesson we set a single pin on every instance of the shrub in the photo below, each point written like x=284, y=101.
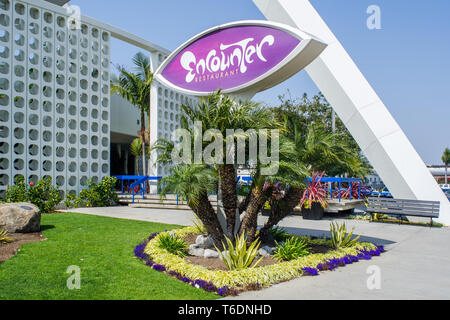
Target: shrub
x=292, y=249
x=18, y=192
x=43, y=194
x=4, y=237
x=173, y=244
x=279, y=234
x=239, y=257
x=100, y=194
x=70, y=200
x=340, y=238
x=315, y=192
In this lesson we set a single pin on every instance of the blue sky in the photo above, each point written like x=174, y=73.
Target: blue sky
x=407, y=61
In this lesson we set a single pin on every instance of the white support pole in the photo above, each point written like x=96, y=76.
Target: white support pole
x=359, y=107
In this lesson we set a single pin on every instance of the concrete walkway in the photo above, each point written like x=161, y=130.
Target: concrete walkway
x=415, y=266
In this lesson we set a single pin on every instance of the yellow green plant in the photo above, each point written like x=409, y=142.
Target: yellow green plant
x=239, y=257
x=173, y=244
x=291, y=249
x=4, y=236
x=265, y=276
x=340, y=238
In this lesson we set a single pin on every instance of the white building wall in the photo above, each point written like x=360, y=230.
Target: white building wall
x=166, y=115
x=54, y=97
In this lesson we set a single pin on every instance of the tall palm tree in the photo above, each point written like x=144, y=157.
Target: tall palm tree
x=143, y=71
x=136, y=151
x=446, y=161
x=136, y=88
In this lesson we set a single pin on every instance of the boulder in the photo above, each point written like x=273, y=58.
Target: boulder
x=20, y=218
x=211, y=254
x=204, y=242
x=195, y=251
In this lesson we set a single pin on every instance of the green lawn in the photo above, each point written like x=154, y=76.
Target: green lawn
x=103, y=249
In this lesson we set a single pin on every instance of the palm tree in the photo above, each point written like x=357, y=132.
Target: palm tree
x=194, y=183
x=136, y=88
x=143, y=70
x=446, y=161
x=136, y=151
x=221, y=113
x=315, y=150
x=290, y=172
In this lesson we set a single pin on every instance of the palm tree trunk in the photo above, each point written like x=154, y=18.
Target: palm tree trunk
x=244, y=204
x=149, y=132
x=250, y=222
x=205, y=211
x=143, y=141
x=137, y=165
x=281, y=209
x=228, y=180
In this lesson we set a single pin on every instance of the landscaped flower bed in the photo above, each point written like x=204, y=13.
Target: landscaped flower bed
x=231, y=282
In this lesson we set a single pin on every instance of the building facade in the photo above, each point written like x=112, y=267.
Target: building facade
x=56, y=115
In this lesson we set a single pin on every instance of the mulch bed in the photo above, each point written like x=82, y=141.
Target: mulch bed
x=218, y=264
x=9, y=250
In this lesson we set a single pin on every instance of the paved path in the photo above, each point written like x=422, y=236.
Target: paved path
x=415, y=266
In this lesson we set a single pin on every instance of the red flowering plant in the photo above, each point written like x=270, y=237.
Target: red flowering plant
x=315, y=192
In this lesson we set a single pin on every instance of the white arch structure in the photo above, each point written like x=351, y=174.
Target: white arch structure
x=357, y=104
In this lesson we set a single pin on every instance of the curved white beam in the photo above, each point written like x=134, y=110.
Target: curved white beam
x=357, y=104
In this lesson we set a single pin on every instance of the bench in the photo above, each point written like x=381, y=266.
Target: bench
x=413, y=208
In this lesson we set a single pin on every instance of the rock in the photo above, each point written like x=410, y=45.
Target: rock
x=265, y=251
x=204, y=242
x=195, y=251
x=20, y=218
x=211, y=254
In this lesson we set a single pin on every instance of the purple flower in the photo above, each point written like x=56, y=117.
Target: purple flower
x=186, y=280
x=159, y=267
x=224, y=291
x=310, y=271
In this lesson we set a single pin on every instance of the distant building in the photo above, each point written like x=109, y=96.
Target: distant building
x=374, y=181
x=438, y=173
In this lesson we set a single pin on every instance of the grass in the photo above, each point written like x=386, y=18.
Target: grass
x=103, y=249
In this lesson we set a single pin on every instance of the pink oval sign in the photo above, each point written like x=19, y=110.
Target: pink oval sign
x=238, y=57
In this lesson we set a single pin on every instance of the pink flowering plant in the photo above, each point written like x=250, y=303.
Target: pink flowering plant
x=315, y=192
